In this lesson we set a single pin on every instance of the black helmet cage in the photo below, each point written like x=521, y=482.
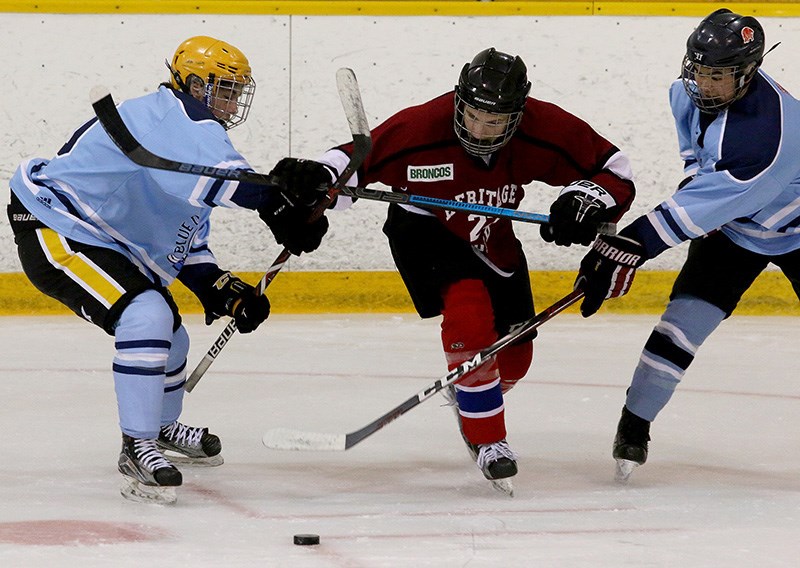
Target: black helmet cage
x=495, y=83
x=724, y=44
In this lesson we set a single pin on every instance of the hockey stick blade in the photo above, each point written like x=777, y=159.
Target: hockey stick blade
x=350, y=96
x=289, y=439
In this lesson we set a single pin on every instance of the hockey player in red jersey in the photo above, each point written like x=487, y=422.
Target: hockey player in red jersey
x=482, y=143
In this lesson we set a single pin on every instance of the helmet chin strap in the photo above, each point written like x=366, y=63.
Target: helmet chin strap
x=208, y=91
x=207, y=95
x=176, y=76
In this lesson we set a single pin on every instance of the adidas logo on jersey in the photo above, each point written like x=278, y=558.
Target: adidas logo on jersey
x=430, y=173
x=46, y=201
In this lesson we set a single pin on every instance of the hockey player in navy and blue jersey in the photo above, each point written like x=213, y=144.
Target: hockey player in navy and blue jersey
x=739, y=206
x=106, y=237
x=482, y=143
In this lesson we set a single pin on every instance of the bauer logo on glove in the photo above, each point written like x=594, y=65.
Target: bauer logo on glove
x=575, y=215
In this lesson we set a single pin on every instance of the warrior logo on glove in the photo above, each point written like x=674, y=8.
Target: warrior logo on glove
x=607, y=270
x=619, y=256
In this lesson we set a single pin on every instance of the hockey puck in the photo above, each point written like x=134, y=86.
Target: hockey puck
x=306, y=539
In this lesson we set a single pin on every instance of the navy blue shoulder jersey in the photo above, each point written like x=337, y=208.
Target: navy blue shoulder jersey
x=746, y=175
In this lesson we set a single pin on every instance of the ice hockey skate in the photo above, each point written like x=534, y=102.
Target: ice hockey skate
x=148, y=477
x=498, y=464
x=501, y=483
x=630, y=444
x=188, y=445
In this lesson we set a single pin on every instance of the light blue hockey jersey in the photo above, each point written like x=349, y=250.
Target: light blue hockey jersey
x=746, y=174
x=92, y=193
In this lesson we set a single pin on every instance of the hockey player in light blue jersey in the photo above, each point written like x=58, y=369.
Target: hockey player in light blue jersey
x=739, y=206
x=106, y=237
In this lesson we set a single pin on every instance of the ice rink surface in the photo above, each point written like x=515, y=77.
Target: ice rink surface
x=721, y=487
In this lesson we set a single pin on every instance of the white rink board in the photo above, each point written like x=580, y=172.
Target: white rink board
x=613, y=72
x=721, y=487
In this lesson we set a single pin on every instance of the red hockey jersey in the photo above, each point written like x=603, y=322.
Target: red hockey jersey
x=417, y=151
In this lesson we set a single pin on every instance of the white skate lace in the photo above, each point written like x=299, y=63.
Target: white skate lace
x=148, y=455
x=181, y=434
x=492, y=452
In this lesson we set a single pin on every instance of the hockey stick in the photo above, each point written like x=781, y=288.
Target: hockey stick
x=112, y=123
x=288, y=439
x=477, y=208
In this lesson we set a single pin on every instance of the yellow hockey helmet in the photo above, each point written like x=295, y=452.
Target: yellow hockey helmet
x=225, y=75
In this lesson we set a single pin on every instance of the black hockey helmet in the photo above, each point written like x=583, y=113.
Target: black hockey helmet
x=723, y=44
x=493, y=82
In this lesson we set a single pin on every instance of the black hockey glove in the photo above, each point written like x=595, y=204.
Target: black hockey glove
x=576, y=213
x=607, y=270
x=230, y=296
x=290, y=226
x=305, y=182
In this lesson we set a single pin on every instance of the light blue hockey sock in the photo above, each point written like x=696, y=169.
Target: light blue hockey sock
x=175, y=377
x=143, y=339
x=669, y=351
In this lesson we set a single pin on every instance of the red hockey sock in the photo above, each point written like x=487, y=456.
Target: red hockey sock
x=513, y=363
x=468, y=327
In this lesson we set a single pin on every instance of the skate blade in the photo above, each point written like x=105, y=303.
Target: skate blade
x=624, y=470
x=211, y=461
x=154, y=495
x=504, y=486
